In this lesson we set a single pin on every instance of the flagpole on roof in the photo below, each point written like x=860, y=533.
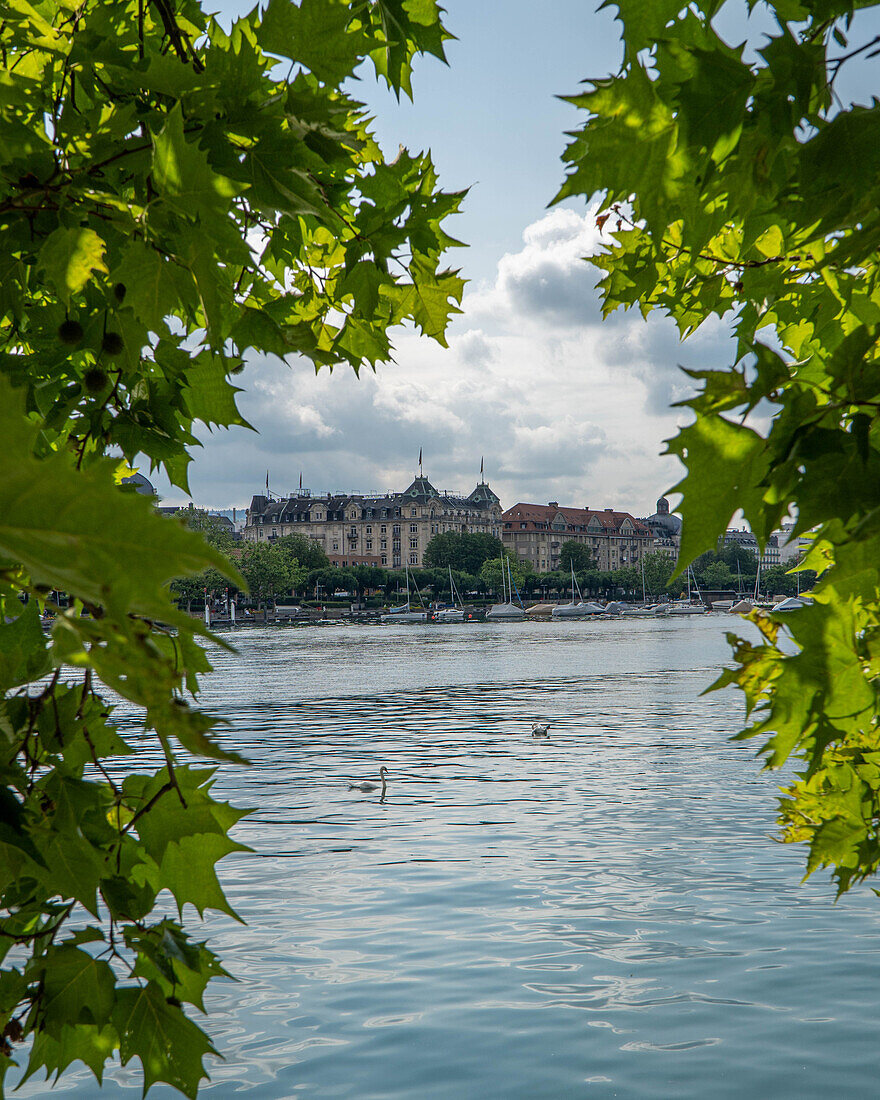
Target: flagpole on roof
x=420, y=461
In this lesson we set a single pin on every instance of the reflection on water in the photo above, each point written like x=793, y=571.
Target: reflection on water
x=600, y=913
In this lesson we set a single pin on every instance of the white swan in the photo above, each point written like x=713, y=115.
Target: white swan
x=367, y=787
x=539, y=729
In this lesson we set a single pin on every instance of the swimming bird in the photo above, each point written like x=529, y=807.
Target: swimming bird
x=539, y=729
x=367, y=787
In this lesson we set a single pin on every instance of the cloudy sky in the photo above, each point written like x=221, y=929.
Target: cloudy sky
x=561, y=405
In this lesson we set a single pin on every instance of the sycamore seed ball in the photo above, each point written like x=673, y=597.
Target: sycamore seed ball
x=70, y=332
x=95, y=379
x=112, y=344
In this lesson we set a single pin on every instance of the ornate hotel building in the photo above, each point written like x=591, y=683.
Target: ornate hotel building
x=536, y=532
x=387, y=530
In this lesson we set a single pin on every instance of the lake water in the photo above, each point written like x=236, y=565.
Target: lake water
x=600, y=914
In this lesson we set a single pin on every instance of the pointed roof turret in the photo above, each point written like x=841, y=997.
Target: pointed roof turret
x=420, y=487
x=483, y=494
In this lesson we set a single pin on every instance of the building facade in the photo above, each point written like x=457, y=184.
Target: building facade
x=792, y=548
x=746, y=539
x=536, y=532
x=390, y=530
x=666, y=528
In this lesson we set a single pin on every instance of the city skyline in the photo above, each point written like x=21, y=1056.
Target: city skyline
x=532, y=375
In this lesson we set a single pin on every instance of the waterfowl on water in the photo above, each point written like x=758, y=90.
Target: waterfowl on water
x=367, y=787
x=539, y=729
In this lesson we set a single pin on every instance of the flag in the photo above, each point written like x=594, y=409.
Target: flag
x=481, y=469
x=267, y=481
x=420, y=458
x=300, y=479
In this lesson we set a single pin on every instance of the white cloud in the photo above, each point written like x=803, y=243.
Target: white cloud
x=563, y=405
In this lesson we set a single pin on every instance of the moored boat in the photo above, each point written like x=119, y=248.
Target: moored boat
x=507, y=611
x=405, y=612
x=579, y=609
x=455, y=613
x=792, y=603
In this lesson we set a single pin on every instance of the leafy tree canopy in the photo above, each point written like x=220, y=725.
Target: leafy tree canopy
x=492, y=570
x=172, y=194
x=779, y=581
x=737, y=184
x=214, y=531
x=657, y=568
x=573, y=553
x=307, y=552
x=465, y=552
x=268, y=571
x=734, y=554
x=717, y=575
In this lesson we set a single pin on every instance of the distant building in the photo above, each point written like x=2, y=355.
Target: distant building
x=536, y=532
x=746, y=539
x=223, y=521
x=382, y=530
x=665, y=527
x=792, y=549
x=141, y=484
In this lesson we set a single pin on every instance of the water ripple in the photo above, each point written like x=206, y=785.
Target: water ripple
x=600, y=913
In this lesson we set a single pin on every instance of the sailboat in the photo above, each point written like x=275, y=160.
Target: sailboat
x=454, y=614
x=644, y=610
x=689, y=606
x=507, y=610
x=579, y=610
x=405, y=613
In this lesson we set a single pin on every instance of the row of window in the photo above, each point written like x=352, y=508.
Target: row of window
x=365, y=513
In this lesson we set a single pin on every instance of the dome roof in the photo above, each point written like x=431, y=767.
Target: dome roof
x=140, y=483
x=663, y=523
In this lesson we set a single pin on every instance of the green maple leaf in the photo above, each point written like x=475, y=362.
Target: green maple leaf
x=427, y=300
x=23, y=653
x=75, y=531
x=726, y=464
x=643, y=20
x=69, y=258
x=150, y=289
x=317, y=34
x=169, y=1045
x=86, y=1043
x=183, y=176
x=631, y=148
x=76, y=988
x=209, y=395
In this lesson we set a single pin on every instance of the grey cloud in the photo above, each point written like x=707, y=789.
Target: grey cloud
x=550, y=292
x=652, y=351
x=529, y=383
x=474, y=349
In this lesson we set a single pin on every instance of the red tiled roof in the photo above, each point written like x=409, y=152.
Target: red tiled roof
x=574, y=517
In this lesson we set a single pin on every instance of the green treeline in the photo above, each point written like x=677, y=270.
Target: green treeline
x=295, y=568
